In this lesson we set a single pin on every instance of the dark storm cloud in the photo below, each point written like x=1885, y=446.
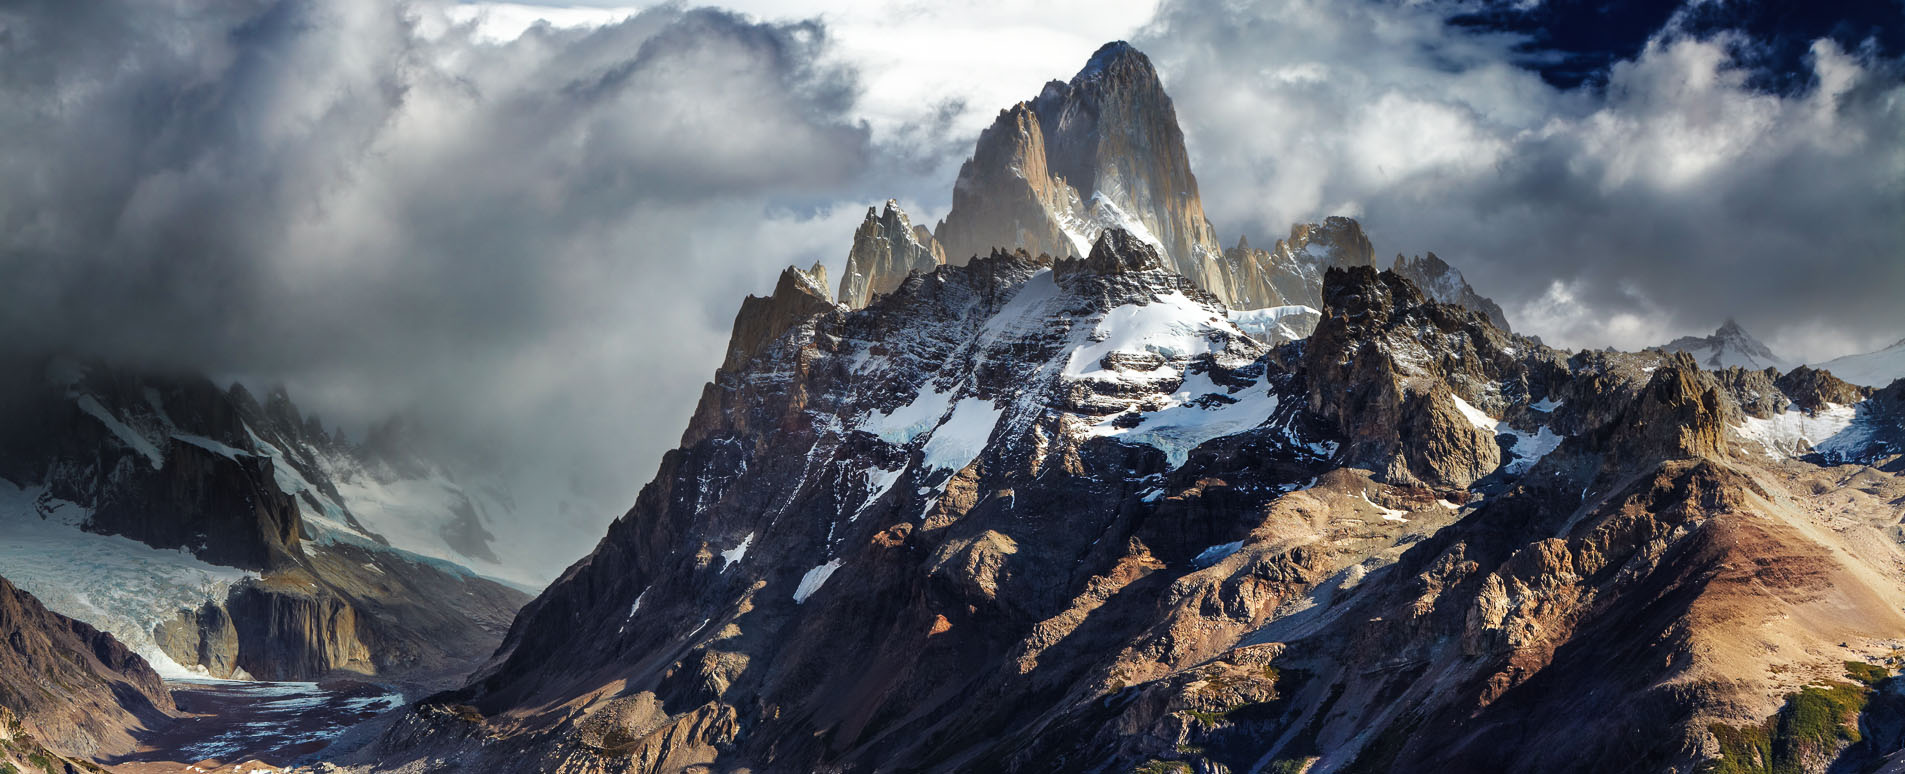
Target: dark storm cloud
x=537, y=246
x=1673, y=195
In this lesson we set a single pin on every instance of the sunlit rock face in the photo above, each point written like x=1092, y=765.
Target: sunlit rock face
x=886, y=248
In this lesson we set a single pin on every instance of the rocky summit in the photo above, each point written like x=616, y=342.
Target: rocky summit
x=1037, y=513
x=1104, y=151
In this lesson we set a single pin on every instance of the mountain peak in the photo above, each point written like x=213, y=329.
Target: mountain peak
x=1118, y=251
x=1112, y=57
x=1099, y=152
x=1730, y=345
x=886, y=248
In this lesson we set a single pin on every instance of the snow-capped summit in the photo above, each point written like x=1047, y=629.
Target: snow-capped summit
x=1731, y=345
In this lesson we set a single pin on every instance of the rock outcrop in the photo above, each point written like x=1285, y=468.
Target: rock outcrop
x=886, y=249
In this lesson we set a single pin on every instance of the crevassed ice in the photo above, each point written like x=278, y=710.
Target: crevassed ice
x=1267, y=323
x=117, y=584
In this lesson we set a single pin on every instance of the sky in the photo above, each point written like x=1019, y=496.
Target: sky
x=528, y=226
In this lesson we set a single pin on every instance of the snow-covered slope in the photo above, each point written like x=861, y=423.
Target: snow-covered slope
x=117, y=584
x=1872, y=369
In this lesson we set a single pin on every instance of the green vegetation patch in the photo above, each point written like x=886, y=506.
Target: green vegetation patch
x=1870, y=674
x=1815, y=724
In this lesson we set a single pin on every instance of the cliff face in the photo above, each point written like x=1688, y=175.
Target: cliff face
x=68, y=686
x=1101, y=151
x=1062, y=515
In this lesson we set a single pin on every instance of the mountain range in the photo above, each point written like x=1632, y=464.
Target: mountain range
x=1059, y=484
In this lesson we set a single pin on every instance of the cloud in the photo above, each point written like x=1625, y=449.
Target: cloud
x=536, y=245
x=1671, y=197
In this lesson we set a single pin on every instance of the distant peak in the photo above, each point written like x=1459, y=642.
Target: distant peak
x=1730, y=328
x=1117, y=251
x=1110, y=56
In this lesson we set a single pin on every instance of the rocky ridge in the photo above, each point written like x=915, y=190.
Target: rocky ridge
x=1444, y=283
x=1035, y=514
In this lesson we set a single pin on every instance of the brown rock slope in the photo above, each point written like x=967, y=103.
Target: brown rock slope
x=67, y=689
x=1036, y=515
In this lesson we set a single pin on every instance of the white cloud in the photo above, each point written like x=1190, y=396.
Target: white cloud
x=1676, y=196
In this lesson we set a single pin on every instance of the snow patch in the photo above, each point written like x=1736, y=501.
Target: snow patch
x=1476, y=416
x=1529, y=447
x=812, y=581
x=1388, y=514
x=1198, y=412
x=1793, y=432
x=1173, y=327
x=215, y=447
x=734, y=555
x=960, y=439
x=1215, y=554
x=879, y=482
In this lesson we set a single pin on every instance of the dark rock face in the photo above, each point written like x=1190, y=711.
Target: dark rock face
x=225, y=510
x=761, y=320
x=1811, y=389
x=1389, y=367
x=75, y=689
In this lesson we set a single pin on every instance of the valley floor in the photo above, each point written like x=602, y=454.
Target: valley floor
x=253, y=727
